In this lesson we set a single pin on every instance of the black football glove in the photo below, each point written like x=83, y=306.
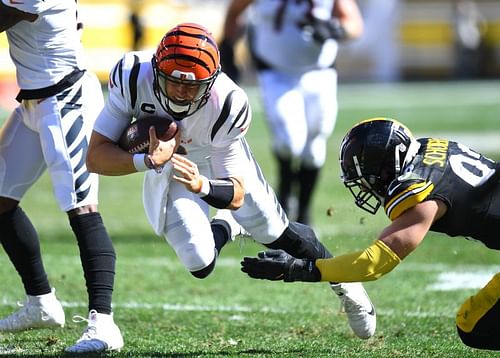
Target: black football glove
x=322, y=30
x=277, y=265
x=227, y=61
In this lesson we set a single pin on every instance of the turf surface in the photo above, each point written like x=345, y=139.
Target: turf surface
x=164, y=312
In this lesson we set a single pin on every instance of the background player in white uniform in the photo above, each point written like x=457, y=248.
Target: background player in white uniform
x=294, y=45
x=50, y=129
x=183, y=80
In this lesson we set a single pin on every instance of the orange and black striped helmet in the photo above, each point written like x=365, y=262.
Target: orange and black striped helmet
x=187, y=55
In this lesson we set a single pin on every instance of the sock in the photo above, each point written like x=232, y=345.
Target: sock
x=221, y=231
x=308, y=178
x=98, y=259
x=286, y=177
x=21, y=243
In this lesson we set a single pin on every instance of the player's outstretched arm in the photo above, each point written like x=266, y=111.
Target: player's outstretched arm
x=395, y=242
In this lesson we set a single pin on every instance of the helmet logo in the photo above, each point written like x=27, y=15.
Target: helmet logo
x=183, y=75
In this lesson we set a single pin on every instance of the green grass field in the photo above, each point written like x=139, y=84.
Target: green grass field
x=164, y=312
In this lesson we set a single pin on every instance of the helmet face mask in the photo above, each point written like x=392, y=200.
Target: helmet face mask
x=185, y=67
x=372, y=155
x=364, y=197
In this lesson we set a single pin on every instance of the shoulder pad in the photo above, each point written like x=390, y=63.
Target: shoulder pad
x=123, y=78
x=405, y=194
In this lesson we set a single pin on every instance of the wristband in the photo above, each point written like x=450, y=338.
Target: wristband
x=220, y=194
x=140, y=162
x=205, y=186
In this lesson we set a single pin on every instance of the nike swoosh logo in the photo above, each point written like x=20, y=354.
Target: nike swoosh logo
x=372, y=311
x=391, y=190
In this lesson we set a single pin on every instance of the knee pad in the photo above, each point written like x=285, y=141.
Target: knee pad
x=314, y=155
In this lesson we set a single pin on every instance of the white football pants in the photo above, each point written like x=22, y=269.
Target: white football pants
x=52, y=133
x=301, y=110
x=186, y=216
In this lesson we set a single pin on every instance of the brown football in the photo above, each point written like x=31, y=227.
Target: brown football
x=135, y=138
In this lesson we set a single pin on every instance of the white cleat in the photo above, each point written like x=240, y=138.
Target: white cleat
x=235, y=228
x=101, y=334
x=358, y=307
x=43, y=311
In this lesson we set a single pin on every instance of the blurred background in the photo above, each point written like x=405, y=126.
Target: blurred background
x=403, y=39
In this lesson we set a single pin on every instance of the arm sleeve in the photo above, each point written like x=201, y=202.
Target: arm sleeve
x=366, y=265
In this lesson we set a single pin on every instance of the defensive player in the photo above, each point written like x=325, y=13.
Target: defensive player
x=182, y=79
x=429, y=184
x=50, y=129
x=294, y=45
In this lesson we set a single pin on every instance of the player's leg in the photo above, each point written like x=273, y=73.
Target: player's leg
x=196, y=240
x=285, y=114
x=478, y=318
x=287, y=177
x=319, y=89
x=64, y=122
x=307, y=178
x=18, y=236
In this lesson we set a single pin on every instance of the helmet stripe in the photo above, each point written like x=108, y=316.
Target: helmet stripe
x=186, y=58
x=193, y=48
x=189, y=34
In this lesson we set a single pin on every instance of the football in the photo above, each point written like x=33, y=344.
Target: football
x=135, y=138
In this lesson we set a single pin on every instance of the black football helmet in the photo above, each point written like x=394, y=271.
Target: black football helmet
x=372, y=155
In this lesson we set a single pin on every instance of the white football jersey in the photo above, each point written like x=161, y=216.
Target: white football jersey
x=214, y=139
x=222, y=122
x=46, y=50
x=278, y=40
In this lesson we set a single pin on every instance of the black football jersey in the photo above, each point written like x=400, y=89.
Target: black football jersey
x=466, y=181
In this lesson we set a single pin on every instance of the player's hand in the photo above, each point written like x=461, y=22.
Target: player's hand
x=160, y=151
x=277, y=265
x=322, y=30
x=186, y=172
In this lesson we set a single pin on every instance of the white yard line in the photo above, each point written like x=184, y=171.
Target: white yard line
x=449, y=277
x=450, y=281
x=237, y=310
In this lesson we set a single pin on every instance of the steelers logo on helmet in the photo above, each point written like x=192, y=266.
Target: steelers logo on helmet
x=185, y=66
x=372, y=155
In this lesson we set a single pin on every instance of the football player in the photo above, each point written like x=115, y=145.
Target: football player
x=50, y=129
x=429, y=184
x=294, y=45
x=182, y=80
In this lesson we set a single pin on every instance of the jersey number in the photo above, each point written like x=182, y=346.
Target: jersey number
x=469, y=167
